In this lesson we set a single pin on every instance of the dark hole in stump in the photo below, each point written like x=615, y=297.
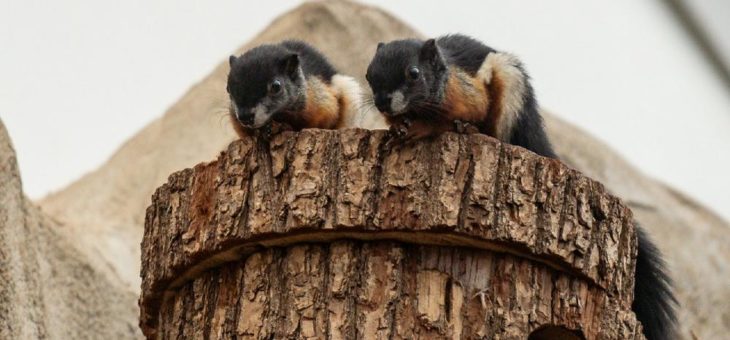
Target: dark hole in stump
x=555, y=333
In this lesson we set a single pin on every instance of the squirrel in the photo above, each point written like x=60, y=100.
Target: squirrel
x=293, y=84
x=456, y=83
x=424, y=87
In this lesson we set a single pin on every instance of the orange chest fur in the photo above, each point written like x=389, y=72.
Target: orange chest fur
x=323, y=105
x=466, y=97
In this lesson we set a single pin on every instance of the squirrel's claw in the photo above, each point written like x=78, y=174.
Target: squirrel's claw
x=401, y=128
x=464, y=127
x=398, y=132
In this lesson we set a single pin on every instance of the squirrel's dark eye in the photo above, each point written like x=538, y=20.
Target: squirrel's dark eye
x=413, y=73
x=275, y=87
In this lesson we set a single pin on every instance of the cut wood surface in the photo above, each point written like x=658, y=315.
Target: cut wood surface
x=339, y=234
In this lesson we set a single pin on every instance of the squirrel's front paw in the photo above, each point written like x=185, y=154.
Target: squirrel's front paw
x=399, y=132
x=273, y=128
x=465, y=127
x=278, y=127
x=400, y=129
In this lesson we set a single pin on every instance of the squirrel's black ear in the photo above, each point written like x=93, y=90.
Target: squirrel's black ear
x=380, y=44
x=231, y=59
x=430, y=53
x=290, y=64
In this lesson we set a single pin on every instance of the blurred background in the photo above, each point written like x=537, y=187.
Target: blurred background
x=650, y=78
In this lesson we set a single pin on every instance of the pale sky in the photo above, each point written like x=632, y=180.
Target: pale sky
x=78, y=78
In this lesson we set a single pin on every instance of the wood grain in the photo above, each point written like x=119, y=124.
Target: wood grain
x=339, y=234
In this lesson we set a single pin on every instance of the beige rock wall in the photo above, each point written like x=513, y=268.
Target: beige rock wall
x=48, y=289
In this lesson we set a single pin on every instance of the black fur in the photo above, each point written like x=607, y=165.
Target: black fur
x=313, y=61
x=529, y=130
x=252, y=74
x=465, y=52
x=654, y=301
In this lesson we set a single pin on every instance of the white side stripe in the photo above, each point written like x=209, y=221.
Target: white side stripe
x=505, y=66
x=357, y=114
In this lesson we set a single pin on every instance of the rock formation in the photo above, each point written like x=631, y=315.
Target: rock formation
x=48, y=289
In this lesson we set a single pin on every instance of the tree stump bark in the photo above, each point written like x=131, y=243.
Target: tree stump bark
x=339, y=235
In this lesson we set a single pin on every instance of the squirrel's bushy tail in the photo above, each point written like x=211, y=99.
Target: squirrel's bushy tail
x=654, y=303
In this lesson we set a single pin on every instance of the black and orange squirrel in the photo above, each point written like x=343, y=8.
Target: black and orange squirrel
x=428, y=87
x=293, y=84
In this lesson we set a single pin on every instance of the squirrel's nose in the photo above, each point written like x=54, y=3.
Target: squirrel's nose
x=382, y=102
x=246, y=118
x=242, y=115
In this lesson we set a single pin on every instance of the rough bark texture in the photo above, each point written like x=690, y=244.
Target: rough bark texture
x=334, y=234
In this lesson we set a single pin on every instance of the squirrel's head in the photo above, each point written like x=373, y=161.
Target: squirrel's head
x=407, y=75
x=263, y=82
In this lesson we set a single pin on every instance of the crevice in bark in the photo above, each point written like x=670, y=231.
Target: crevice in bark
x=466, y=189
x=376, y=178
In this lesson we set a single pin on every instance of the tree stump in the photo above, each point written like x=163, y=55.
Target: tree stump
x=342, y=235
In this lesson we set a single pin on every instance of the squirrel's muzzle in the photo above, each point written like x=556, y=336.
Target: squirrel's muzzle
x=382, y=102
x=245, y=117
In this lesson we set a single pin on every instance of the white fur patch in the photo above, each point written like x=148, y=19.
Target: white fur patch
x=371, y=118
x=260, y=116
x=506, y=67
x=356, y=114
x=398, y=102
